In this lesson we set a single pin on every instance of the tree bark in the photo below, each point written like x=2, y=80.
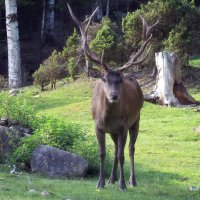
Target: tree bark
x=48, y=23
x=43, y=21
x=107, y=8
x=14, y=56
x=169, y=89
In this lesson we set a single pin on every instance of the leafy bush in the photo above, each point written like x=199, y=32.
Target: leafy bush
x=40, y=77
x=47, y=131
x=178, y=26
x=17, y=109
x=50, y=71
x=72, y=67
x=70, y=53
x=105, y=37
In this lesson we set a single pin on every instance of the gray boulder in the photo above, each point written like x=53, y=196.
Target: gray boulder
x=57, y=163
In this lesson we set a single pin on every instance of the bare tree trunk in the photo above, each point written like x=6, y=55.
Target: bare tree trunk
x=48, y=22
x=107, y=8
x=99, y=13
x=43, y=21
x=14, y=56
x=169, y=89
x=127, y=6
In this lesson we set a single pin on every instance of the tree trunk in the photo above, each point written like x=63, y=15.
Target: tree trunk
x=99, y=13
x=43, y=21
x=107, y=8
x=127, y=6
x=14, y=57
x=169, y=89
x=48, y=23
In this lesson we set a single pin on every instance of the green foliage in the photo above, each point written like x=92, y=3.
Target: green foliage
x=17, y=109
x=72, y=67
x=50, y=71
x=105, y=37
x=3, y=82
x=178, y=27
x=56, y=133
x=46, y=130
x=40, y=77
x=69, y=53
x=106, y=40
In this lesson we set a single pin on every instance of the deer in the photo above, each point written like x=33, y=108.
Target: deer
x=116, y=103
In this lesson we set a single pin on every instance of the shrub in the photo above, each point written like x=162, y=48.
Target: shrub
x=178, y=20
x=50, y=71
x=17, y=109
x=47, y=131
x=70, y=53
x=40, y=77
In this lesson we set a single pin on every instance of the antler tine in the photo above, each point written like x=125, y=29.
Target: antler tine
x=144, y=25
x=147, y=35
x=83, y=26
x=73, y=16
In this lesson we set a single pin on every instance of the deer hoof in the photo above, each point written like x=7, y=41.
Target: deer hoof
x=132, y=183
x=122, y=187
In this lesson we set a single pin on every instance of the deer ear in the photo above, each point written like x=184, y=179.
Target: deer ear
x=94, y=73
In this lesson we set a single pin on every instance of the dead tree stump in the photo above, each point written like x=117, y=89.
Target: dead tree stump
x=169, y=89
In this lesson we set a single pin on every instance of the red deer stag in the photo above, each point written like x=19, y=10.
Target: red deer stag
x=116, y=105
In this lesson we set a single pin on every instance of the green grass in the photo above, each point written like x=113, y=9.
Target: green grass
x=195, y=61
x=167, y=153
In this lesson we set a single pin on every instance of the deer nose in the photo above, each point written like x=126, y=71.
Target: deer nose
x=114, y=96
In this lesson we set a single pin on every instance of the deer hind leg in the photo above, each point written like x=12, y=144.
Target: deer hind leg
x=102, y=153
x=133, y=132
x=121, y=144
x=113, y=176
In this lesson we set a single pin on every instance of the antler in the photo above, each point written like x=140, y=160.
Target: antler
x=83, y=26
x=147, y=35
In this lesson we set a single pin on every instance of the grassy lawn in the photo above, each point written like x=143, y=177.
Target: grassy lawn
x=195, y=61
x=167, y=153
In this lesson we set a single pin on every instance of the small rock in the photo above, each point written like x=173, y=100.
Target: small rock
x=13, y=92
x=37, y=96
x=197, y=129
x=193, y=188
x=32, y=191
x=3, y=121
x=45, y=193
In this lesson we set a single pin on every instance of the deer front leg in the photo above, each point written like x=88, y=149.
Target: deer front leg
x=113, y=176
x=102, y=153
x=121, y=144
x=133, y=136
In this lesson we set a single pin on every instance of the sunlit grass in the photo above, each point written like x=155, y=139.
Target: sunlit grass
x=195, y=61
x=167, y=152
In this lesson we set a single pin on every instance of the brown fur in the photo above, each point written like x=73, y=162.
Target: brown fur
x=117, y=118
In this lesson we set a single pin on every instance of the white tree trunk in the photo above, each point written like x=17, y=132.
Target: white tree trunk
x=165, y=63
x=169, y=89
x=14, y=57
x=99, y=13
